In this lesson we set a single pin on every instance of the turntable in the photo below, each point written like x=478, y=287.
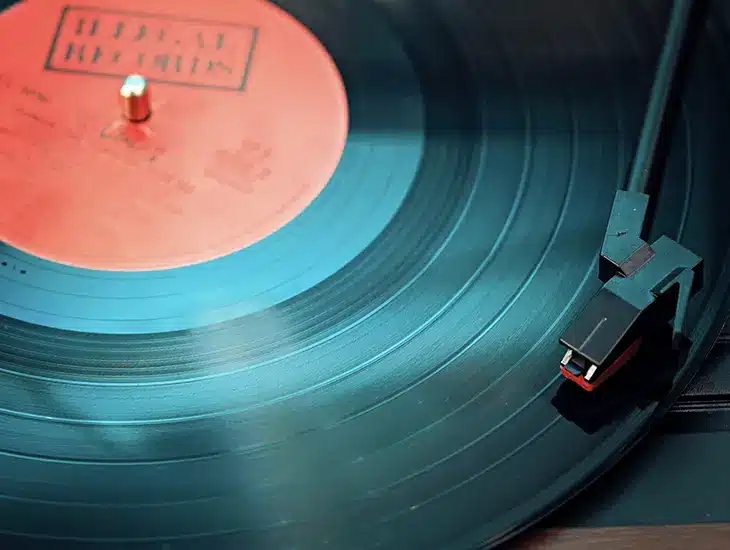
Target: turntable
x=324, y=275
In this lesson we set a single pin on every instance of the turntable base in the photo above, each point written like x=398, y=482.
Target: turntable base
x=702, y=537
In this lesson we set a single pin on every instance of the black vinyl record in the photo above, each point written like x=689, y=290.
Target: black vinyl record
x=397, y=386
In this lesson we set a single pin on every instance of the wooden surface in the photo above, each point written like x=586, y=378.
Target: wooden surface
x=675, y=537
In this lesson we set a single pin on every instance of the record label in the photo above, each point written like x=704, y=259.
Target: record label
x=248, y=120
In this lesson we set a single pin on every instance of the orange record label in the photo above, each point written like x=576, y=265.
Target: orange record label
x=247, y=120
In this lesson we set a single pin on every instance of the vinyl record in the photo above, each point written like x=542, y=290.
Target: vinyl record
x=314, y=301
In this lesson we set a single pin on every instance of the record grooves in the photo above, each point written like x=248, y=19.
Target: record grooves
x=381, y=371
